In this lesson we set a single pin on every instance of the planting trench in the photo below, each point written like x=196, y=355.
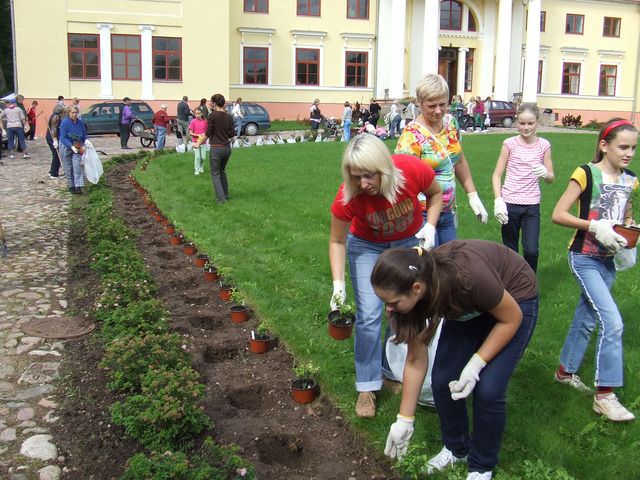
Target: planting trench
x=247, y=395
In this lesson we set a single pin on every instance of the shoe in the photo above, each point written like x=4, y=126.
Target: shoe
x=26, y=155
x=11, y=156
x=572, y=380
x=126, y=148
x=53, y=176
x=392, y=385
x=610, y=407
x=72, y=189
x=444, y=459
x=197, y=172
x=366, y=405
x=78, y=190
x=480, y=476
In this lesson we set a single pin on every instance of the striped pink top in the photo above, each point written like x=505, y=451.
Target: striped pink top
x=521, y=187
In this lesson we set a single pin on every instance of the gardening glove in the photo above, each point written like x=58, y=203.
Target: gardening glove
x=427, y=236
x=500, y=211
x=539, y=171
x=399, y=436
x=74, y=149
x=470, y=375
x=339, y=294
x=477, y=207
x=603, y=230
x=55, y=143
x=88, y=144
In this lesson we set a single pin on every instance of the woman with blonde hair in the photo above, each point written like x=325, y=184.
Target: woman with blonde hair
x=376, y=208
x=434, y=138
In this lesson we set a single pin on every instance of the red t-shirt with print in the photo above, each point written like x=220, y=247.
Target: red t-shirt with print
x=375, y=219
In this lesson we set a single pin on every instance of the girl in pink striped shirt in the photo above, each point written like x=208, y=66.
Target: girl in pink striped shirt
x=527, y=159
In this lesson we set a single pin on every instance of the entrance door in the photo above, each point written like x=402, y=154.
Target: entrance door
x=448, y=68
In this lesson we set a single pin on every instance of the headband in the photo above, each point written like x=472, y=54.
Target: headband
x=612, y=125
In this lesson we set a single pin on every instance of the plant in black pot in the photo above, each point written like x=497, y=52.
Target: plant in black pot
x=341, y=320
x=304, y=388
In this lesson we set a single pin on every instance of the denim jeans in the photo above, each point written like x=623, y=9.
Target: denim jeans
x=394, y=125
x=161, y=136
x=362, y=256
x=346, y=127
x=54, y=170
x=458, y=342
x=446, y=228
x=595, y=276
x=218, y=159
x=125, y=133
x=527, y=219
x=72, y=167
x=238, y=124
x=12, y=134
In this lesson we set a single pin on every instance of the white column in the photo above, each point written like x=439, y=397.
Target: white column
x=106, y=87
x=532, y=56
x=462, y=65
x=396, y=63
x=503, y=53
x=146, y=61
x=485, y=85
x=384, y=42
x=431, y=26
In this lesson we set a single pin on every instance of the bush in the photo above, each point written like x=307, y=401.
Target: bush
x=135, y=319
x=570, y=121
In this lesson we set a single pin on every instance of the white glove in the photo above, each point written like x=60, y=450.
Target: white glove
x=339, y=294
x=539, y=171
x=55, y=143
x=603, y=230
x=75, y=150
x=500, y=211
x=88, y=144
x=399, y=436
x=427, y=236
x=477, y=207
x=470, y=375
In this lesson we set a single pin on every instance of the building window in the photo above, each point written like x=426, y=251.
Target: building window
x=309, y=8
x=125, y=53
x=256, y=6
x=539, y=76
x=468, y=71
x=608, y=74
x=543, y=21
x=256, y=66
x=358, y=9
x=167, y=58
x=84, y=56
x=307, y=66
x=574, y=24
x=356, y=68
x=571, y=78
x=450, y=15
x=471, y=23
x=611, y=27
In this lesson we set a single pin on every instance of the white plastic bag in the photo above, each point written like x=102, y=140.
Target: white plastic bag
x=92, y=165
x=625, y=259
x=487, y=121
x=180, y=148
x=396, y=356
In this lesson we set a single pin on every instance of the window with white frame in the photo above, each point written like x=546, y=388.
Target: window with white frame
x=356, y=69
x=307, y=66
x=571, y=78
x=608, y=76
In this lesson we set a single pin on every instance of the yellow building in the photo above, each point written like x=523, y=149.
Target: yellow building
x=574, y=56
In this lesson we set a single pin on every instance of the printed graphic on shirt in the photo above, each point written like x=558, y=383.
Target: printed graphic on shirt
x=395, y=219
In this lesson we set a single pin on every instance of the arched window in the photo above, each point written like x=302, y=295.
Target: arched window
x=472, y=23
x=450, y=15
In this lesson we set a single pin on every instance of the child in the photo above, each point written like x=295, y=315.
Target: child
x=197, y=129
x=527, y=159
x=488, y=297
x=602, y=189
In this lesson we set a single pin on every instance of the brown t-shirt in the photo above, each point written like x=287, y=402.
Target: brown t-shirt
x=220, y=128
x=485, y=270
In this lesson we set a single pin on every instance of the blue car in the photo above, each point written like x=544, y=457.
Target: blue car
x=255, y=118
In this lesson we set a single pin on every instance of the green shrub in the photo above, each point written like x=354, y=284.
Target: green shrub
x=119, y=291
x=135, y=319
x=109, y=256
x=129, y=359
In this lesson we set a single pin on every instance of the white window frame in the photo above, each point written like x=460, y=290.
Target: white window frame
x=256, y=38
x=346, y=47
x=304, y=39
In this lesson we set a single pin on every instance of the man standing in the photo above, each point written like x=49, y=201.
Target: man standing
x=125, y=123
x=160, y=121
x=184, y=112
x=236, y=112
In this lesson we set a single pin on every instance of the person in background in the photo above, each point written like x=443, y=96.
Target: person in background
x=31, y=119
x=53, y=137
x=379, y=132
x=602, y=189
x=236, y=113
x=395, y=118
x=478, y=114
x=61, y=102
x=457, y=108
x=160, y=122
x=197, y=129
x=374, y=112
x=434, y=138
x=356, y=116
x=73, y=140
x=486, y=119
x=182, y=117
x=410, y=111
x=126, y=117
x=347, y=115
x=76, y=103
x=20, y=103
x=376, y=208
x=527, y=160
x=315, y=115
x=204, y=108
x=16, y=121
x=487, y=297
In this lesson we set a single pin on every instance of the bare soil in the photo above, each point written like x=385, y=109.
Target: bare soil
x=247, y=395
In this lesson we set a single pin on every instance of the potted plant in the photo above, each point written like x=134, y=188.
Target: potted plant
x=176, y=238
x=631, y=231
x=341, y=320
x=189, y=248
x=225, y=284
x=260, y=340
x=210, y=272
x=239, y=312
x=200, y=260
x=303, y=388
x=170, y=229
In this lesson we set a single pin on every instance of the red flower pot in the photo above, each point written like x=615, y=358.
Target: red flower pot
x=260, y=344
x=175, y=239
x=630, y=233
x=239, y=313
x=210, y=273
x=189, y=249
x=170, y=229
x=303, y=390
x=340, y=325
x=200, y=260
x=225, y=292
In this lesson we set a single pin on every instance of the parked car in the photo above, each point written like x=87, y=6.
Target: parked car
x=502, y=113
x=4, y=142
x=104, y=117
x=256, y=118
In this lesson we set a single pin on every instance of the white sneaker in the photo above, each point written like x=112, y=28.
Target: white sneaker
x=572, y=380
x=11, y=156
x=197, y=172
x=26, y=155
x=610, y=407
x=479, y=476
x=443, y=460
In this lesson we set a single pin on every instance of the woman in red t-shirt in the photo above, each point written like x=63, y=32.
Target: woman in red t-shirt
x=376, y=208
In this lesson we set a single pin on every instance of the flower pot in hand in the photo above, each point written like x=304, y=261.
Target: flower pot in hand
x=239, y=313
x=210, y=273
x=200, y=260
x=175, y=239
x=225, y=291
x=629, y=232
x=259, y=342
x=303, y=390
x=189, y=249
x=340, y=324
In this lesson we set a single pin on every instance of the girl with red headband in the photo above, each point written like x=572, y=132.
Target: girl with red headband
x=602, y=190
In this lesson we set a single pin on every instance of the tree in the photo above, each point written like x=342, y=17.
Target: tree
x=6, y=48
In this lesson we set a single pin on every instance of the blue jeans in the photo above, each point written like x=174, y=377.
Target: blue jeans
x=446, y=228
x=527, y=219
x=595, y=276
x=12, y=134
x=346, y=127
x=238, y=123
x=161, y=136
x=458, y=342
x=394, y=125
x=362, y=256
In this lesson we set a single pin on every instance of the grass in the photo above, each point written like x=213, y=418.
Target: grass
x=288, y=125
x=274, y=235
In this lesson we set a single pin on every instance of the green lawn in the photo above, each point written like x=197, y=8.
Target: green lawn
x=273, y=234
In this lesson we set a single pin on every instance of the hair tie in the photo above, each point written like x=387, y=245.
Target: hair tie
x=616, y=124
x=420, y=251
x=413, y=267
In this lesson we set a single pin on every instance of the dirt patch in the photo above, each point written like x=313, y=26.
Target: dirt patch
x=247, y=395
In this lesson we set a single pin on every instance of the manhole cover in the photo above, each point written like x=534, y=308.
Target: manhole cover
x=58, y=327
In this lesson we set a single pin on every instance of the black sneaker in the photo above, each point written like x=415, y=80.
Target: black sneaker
x=78, y=190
